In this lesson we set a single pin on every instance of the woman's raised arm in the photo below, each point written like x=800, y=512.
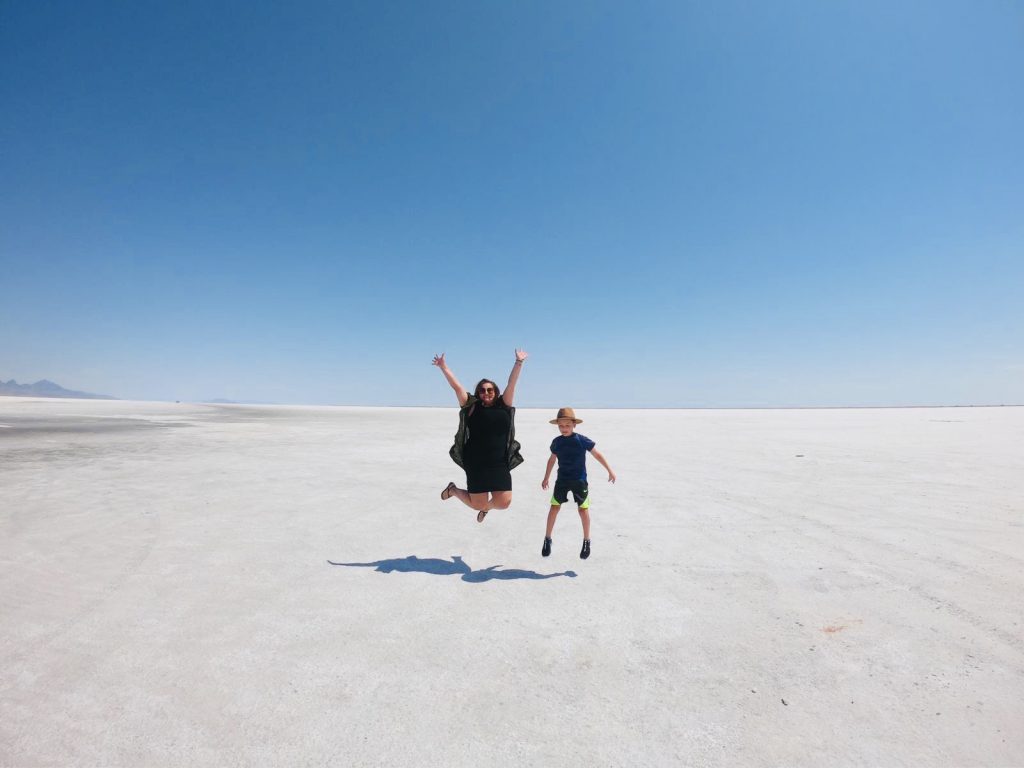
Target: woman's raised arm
x=510, y=389
x=460, y=391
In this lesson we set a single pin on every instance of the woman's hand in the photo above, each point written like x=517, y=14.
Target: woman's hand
x=510, y=389
x=460, y=392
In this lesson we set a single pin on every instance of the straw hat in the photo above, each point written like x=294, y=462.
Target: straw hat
x=566, y=413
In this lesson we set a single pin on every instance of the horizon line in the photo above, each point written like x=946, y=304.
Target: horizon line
x=214, y=402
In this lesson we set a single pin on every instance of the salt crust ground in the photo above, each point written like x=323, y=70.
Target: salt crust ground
x=800, y=588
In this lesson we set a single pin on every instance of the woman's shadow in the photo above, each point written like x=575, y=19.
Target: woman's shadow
x=456, y=566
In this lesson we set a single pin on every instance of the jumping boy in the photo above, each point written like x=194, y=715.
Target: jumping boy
x=570, y=451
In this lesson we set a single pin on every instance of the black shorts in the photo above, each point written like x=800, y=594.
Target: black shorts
x=484, y=479
x=580, y=493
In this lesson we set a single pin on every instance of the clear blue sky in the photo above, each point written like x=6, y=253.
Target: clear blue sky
x=666, y=204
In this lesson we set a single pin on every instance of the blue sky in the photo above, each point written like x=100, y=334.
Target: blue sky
x=667, y=204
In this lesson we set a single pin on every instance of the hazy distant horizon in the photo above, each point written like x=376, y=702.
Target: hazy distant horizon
x=529, y=406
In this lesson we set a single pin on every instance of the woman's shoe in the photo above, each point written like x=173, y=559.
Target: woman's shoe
x=481, y=515
x=585, y=552
x=546, y=549
x=447, y=492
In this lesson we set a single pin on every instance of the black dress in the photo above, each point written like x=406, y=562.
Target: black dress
x=486, y=452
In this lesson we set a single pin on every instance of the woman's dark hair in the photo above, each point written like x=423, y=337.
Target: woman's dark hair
x=476, y=389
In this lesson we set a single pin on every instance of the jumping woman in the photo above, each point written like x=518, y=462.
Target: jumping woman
x=485, y=445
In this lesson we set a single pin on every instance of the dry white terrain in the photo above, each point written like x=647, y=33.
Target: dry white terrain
x=791, y=587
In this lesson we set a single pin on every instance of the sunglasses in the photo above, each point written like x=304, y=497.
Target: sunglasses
x=485, y=389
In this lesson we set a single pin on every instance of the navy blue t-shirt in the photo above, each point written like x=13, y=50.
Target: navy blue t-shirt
x=571, y=451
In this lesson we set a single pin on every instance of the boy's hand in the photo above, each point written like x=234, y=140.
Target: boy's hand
x=611, y=476
x=544, y=484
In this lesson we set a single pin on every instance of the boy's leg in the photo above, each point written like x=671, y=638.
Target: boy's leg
x=581, y=495
x=552, y=514
x=585, y=519
x=558, y=497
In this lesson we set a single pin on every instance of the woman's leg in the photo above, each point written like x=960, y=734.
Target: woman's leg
x=501, y=499
x=477, y=501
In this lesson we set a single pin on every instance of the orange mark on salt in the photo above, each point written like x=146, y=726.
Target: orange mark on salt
x=831, y=629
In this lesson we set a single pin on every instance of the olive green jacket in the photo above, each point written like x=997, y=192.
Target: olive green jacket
x=515, y=458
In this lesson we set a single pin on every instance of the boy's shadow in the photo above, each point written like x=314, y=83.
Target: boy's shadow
x=456, y=566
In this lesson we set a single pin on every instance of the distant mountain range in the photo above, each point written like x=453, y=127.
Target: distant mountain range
x=44, y=388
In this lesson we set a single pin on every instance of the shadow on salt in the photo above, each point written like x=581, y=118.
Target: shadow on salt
x=454, y=567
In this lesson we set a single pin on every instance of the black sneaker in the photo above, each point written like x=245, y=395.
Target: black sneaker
x=585, y=552
x=546, y=549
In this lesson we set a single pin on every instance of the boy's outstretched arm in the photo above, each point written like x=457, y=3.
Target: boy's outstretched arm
x=460, y=391
x=597, y=455
x=510, y=389
x=547, y=472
